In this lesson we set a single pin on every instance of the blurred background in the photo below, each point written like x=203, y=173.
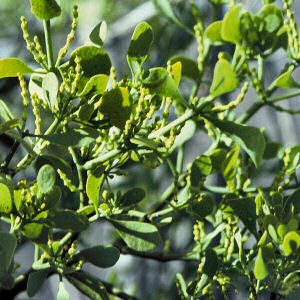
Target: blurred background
x=147, y=279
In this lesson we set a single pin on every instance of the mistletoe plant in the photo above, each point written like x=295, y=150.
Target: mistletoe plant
x=101, y=125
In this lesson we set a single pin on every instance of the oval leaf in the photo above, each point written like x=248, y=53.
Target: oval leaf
x=93, y=61
x=224, y=80
x=291, y=242
x=249, y=138
x=62, y=293
x=100, y=256
x=8, y=244
x=139, y=47
x=214, y=32
x=88, y=285
x=99, y=34
x=286, y=80
x=36, y=281
x=45, y=9
x=189, y=67
x=158, y=81
x=116, y=106
x=139, y=236
x=132, y=197
x=231, y=25
x=94, y=183
x=260, y=267
x=70, y=220
x=11, y=67
x=50, y=89
x=46, y=178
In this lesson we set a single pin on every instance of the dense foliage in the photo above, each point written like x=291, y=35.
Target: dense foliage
x=244, y=234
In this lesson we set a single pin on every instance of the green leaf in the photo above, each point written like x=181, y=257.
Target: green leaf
x=186, y=133
x=8, y=125
x=70, y=220
x=35, y=85
x=36, y=281
x=6, y=198
x=11, y=67
x=189, y=67
x=58, y=162
x=99, y=34
x=249, y=138
x=94, y=184
x=96, y=85
x=45, y=9
x=291, y=242
x=139, y=47
x=53, y=197
x=74, y=137
x=34, y=230
x=217, y=157
x=273, y=150
x=175, y=72
x=100, y=256
x=247, y=216
x=211, y=263
x=165, y=7
x=260, y=267
x=224, y=80
x=229, y=166
x=139, y=236
x=93, y=61
x=46, y=178
x=50, y=89
x=293, y=199
x=272, y=16
x=158, y=81
x=116, y=106
x=5, y=113
x=286, y=80
x=88, y=285
x=231, y=25
x=202, y=206
x=132, y=197
x=8, y=244
x=214, y=32
x=62, y=293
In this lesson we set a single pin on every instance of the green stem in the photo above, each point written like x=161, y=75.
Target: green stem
x=49, y=47
x=180, y=159
x=101, y=159
x=285, y=96
x=80, y=175
x=36, y=252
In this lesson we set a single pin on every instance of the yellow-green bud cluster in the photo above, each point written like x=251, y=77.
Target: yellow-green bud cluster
x=63, y=51
x=67, y=182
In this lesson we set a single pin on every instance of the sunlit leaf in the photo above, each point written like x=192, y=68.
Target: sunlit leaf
x=231, y=25
x=99, y=34
x=46, y=178
x=260, y=267
x=139, y=47
x=189, y=68
x=224, y=79
x=139, y=236
x=45, y=9
x=11, y=67
x=116, y=106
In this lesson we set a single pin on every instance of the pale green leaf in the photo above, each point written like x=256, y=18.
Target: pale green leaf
x=62, y=293
x=231, y=25
x=260, y=267
x=189, y=68
x=286, y=80
x=116, y=106
x=11, y=67
x=94, y=183
x=214, y=32
x=99, y=34
x=46, y=178
x=50, y=89
x=45, y=9
x=139, y=47
x=224, y=79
